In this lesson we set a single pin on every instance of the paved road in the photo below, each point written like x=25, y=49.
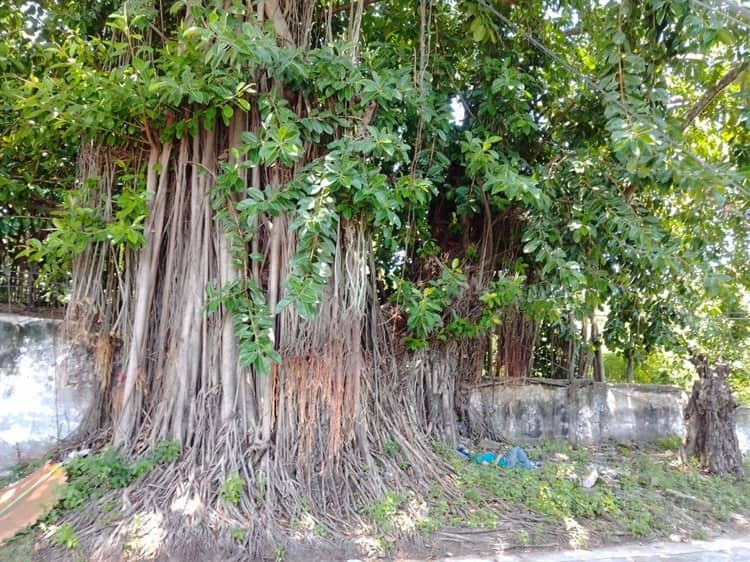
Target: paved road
x=735, y=549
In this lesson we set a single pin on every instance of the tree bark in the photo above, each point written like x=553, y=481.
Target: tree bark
x=629, y=370
x=569, y=358
x=710, y=420
x=596, y=341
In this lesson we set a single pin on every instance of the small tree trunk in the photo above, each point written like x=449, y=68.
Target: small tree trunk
x=571, y=347
x=710, y=420
x=596, y=341
x=629, y=370
x=583, y=356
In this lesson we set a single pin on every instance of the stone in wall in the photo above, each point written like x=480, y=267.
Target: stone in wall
x=39, y=404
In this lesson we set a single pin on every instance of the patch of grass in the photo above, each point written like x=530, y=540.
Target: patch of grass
x=95, y=474
x=672, y=443
x=700, y=535
x=20, y=548
x=483, y=518
x=635, y=492
x=92, y=476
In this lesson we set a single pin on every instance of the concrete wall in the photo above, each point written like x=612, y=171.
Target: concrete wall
x=583, y=413
x=39, y=402
x=743, y=429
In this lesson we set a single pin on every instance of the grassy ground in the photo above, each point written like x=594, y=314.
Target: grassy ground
x=19, y=472
x=641, y=493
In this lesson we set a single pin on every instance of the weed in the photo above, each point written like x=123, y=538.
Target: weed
x=109, y=506
x=623, y=450
x=64, y=536
x=381, y=512
x=700, y=535
x=391, y=448
x=521, y=538
x=238, y=533
x=430, y=525
x=260, y=493
x=232, y=488
x=631, y=497
x=483, y=518
x=95, y=474
x=278, y=554
x=166, y=452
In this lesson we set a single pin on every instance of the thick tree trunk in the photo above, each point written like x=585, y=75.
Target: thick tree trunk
x=710, y=420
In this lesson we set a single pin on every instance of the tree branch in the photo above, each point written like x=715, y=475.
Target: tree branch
x=350, y=4
x=709, y=96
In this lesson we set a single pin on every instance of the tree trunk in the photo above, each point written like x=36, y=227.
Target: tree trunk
x=629, y=369
x=571, y=348
x=710, y=420
x=515, y=346
x=596, y=342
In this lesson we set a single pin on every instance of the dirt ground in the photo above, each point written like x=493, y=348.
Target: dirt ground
x=681, y=503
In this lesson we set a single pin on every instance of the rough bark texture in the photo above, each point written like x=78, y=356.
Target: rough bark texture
x=710, y=419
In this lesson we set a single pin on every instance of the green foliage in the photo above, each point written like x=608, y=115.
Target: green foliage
x=573, y=159
x=522, y=538
x=233, y=488
x=165, y=452
x=426, y=307
x=382, y=512
x=658, y=367
x=391, y=448
x=252, y=322
x=64, y=536
x=22, y=546
x=632, y=495
x=238, y=533
x=95, y=474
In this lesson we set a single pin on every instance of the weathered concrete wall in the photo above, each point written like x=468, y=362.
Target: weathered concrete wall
x=582, y=413
x=39, y=402
x=743, y=429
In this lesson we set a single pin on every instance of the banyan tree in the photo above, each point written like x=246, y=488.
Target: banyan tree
x=262, y=151
x=300, y=230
